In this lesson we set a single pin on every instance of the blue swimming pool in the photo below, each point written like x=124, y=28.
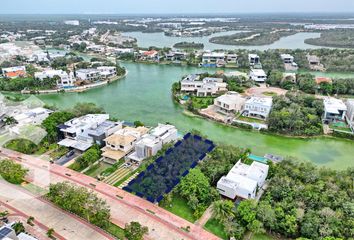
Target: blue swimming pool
x=257, y=158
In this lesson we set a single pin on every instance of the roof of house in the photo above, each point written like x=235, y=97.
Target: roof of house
x=284, y=56
x=320, y=80
x=258, y=72
x=112, y=154
x=117, y=139
x=231, y=98
x=334, y=105
x=265, y=101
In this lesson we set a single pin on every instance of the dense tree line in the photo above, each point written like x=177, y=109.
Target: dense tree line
x=301, y=202
x=12, y=172
x=304, y=201
x=296, y=114
x=306, y=83
x=81, y=201
x=336, y=39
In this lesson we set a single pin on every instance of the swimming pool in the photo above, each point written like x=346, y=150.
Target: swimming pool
x=257, y=158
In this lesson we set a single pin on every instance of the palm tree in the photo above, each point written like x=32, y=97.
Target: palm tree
x=223, y=210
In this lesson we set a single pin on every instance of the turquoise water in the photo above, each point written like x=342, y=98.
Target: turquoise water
x=257, y=158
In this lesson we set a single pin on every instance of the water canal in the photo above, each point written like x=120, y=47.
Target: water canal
x=145, y=95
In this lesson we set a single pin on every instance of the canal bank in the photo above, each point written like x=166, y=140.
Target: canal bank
x=145, y=95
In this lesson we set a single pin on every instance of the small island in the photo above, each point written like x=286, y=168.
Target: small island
x=189, y=45
x=252, y=38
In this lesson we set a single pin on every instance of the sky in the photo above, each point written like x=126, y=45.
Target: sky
x=171, y=6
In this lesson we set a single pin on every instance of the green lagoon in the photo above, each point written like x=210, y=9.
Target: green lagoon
x=145, y=95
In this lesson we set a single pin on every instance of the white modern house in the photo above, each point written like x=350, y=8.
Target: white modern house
x=254, y=59
x=213, y=57
x=152, y=142
x=107, y=71
x=287, y=58
x=64, y=79
x=243, y=180
x=88, y=74
x=121, y=143
x=206, y=87
x=82, y=132
x=258, y=75
x=258, y=107
x=33, y=116
x=334, y=110
x=231, y=102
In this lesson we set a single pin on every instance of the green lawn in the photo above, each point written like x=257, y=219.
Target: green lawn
x=216, y=228
x=340, y=126
x=270, y=94
x=202, y=102
x=76, y=167
x=115, y=231
x=179, y=207
x=250, y=120
x=59, y=152
x=95, y=170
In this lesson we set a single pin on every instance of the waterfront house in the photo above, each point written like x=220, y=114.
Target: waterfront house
x=121, y=143
x=258, y=75
x=334, y=110
x=254, y=59
x=14, y=72
x=82, y=132
x=231, y=102
x=175, y=56
x=258, y=107
x=64, y=79
x=152, y=55
x=243, y=180
x=213, y=57
x=152, y=142
x=107, y=71
x=207, y=87
x=232, y=58
x=88, y=74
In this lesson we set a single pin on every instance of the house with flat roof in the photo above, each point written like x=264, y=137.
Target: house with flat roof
x=152, y=142
x=334, y=109
x=289, y=63
x=64, y=79
x=107, y=71
x=121, y=143
x=231, y=102
x=254, y=59
x=258, y=75
x=14, y=72
x=243, y=180
x=258, y=107
x=82, y=132
x=89, y=74
x=206, y=87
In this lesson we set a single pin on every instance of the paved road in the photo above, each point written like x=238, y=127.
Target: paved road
x=66, y=225
x=125, y=207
